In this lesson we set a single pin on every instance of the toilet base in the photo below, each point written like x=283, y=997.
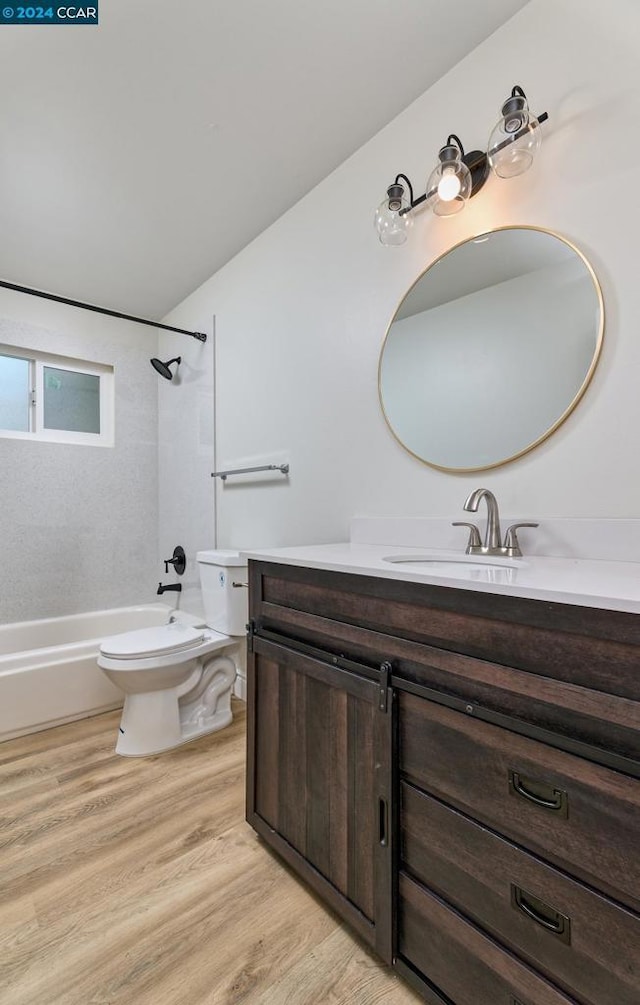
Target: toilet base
x=155, y=721
x=135, y=749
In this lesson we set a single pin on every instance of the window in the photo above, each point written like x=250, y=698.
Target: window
x=15, y=389
x=45, y=397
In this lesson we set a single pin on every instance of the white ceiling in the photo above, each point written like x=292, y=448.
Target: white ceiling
x=136, y=158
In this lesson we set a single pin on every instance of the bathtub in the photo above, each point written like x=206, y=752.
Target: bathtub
x=48, y=669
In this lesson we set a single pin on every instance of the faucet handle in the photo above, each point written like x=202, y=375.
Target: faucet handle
x=475, y=540
x=511, y=542
x=178, y=561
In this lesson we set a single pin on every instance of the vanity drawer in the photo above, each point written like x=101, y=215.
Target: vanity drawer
x=499, y=886
x=465, y=965
x=590, y=648
x=577, y=814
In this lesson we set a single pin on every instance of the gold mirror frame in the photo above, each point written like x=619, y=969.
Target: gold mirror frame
x=585, y=383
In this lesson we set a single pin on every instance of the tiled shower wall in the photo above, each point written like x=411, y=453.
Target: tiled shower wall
x=79, y=524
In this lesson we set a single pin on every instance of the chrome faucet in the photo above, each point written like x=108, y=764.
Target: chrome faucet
x=492, y=539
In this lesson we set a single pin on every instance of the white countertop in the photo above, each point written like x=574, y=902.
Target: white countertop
x=612, y=585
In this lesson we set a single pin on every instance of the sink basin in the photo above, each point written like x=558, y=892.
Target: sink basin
x=473, y=561
x=470, y=566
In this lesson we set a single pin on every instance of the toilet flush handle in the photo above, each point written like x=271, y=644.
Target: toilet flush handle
x=246, y=585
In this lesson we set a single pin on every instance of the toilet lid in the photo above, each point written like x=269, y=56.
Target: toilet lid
x=148, y=642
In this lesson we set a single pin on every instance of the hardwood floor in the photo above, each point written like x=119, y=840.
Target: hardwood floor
x=137, y=881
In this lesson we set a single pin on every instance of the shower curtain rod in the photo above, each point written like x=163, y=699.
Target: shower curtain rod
x=100, y=310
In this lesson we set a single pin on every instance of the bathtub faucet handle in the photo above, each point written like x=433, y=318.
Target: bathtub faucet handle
x=178, y=561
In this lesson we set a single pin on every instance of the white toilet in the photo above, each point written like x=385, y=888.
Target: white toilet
x=177, y=678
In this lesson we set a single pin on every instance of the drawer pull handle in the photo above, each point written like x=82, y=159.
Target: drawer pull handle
x=382, y=822
x=556, y=800
x=547, y=917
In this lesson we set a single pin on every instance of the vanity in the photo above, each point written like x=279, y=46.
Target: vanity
x=451, y=760
x=445, y=745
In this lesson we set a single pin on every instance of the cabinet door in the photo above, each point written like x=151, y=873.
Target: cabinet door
x=319, y=778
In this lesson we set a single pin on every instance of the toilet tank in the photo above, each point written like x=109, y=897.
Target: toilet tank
x=223, y=579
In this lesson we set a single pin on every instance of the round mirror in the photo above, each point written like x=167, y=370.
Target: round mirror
x=491, y=349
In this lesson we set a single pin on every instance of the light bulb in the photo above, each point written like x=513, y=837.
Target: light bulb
x=448, y=186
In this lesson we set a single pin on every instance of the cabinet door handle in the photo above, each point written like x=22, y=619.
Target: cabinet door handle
x=383, y=821
x=551, y=920
x=556, y=800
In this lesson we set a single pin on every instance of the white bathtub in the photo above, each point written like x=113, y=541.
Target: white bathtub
x=49, y=672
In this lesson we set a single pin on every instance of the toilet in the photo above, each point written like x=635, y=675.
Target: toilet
x=178, y=678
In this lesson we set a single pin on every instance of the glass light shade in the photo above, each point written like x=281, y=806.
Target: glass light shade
x=392, y=225
x=449, y=186
x=515, y=140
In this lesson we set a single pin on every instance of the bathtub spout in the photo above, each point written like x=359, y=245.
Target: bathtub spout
x=177, y=587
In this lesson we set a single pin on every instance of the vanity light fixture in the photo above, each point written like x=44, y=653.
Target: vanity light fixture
x=458, y=176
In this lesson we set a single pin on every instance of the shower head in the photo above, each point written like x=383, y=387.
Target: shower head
x=163, y=368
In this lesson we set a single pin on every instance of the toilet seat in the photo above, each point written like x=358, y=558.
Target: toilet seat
x=147, y=643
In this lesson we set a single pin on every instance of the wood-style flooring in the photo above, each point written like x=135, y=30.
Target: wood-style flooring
x=137, y=881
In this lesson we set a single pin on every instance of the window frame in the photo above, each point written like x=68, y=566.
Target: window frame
x=37, y=432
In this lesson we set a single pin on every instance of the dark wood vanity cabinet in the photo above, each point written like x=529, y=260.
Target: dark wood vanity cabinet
x=458, y=774
x=320, y=776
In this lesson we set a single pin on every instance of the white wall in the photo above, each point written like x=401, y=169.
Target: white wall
x=79, y=524
x=302, y=312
